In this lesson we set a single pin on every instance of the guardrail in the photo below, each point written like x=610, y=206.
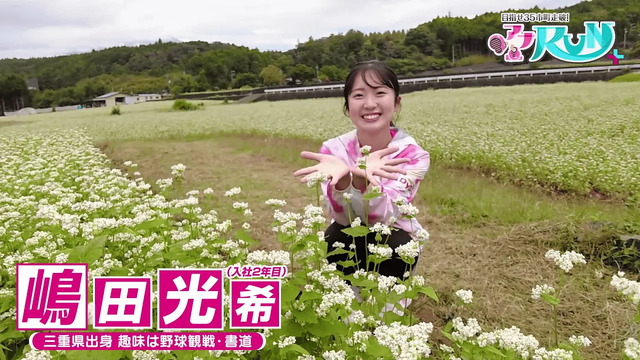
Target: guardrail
x=501, y=74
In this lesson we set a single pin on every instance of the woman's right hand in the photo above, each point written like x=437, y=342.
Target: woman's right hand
x=331, y=165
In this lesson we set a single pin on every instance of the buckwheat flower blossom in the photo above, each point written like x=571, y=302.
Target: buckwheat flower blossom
x=381, y=228
x=628, y=288
x=408, y=210
x=465, y=295
x=632, y=348
x=579, y=340
x=347, y=196
x=128, y=163
x=208, y=191
x=193, y=193
x=274, y=257
x=510, y=339
x=405, y=342
x=409, y=250
x=246, y=226
x=399, y=288
x=382, y=251
x=275, y=202
x=177, y=170
x=233, y=191
x=361, y=163
x=365, y=150
x=306, y=357
x=464, y=332
x=38, y=355
x=240, y=205
x=537, y=291
x=247, y=213
x=359, y=339
x=334, y=355
x=422, y=235
x=316, y=178
x=356, y=222
x=338, y=244
x=286, y=341
x=565, y=261
x=556, y=354
x=386, y=282
x=447, y=349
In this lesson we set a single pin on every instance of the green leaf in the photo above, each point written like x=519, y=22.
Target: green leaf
x=356, y=231
x=307, y=315
x=447, y=335
x=88, y=253
x=293, y=348
x=493, y=350
x=378, y=237
x=338, y=251
x=346, y=263
x=549, y=299
x=375, y=350
x=429, y=292
x=637, y=317
x=448, y=327
x=289, y=292
x=372, y=195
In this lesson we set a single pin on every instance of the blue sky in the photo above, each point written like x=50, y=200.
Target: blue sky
x=38, y=28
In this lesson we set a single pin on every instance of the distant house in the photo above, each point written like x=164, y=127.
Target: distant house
x=112, y=99
x=32, y=84
x=115, y=98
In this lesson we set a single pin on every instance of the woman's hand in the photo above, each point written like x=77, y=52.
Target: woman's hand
x=379, y=165
x=335, y=168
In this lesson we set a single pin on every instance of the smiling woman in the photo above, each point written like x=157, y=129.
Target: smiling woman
x=372, y=175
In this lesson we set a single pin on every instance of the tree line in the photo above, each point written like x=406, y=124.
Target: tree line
x=201, y=66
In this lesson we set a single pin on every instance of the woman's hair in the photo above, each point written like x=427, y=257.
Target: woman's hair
x=386, y=76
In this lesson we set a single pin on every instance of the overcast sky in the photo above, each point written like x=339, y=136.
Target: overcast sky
x=37, y=28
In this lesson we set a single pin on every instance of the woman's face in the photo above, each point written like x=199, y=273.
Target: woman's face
x=371, y=108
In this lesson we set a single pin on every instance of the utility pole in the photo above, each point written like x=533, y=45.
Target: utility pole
x=624, y=42
x=453, y=55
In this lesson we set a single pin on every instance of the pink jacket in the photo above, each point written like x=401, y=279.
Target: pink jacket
x=346, y=147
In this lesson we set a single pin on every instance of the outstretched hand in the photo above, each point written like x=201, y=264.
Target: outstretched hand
x=331, y=165
x=379, y=165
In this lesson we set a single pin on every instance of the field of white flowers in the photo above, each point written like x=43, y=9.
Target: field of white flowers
x=574, y=137
x=60, y=201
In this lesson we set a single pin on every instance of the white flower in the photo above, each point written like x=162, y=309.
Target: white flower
x=347, y=196
x=541, y=289
x=177, y=170
x=382, y=251
x=275, y=202
x=381, y=228
x=422, y=235
x=128, y=163
x=409, y=250
x=556, y=354
x=465, y=295
x=580, y=340
x=362, y=163
x=208, y=191
x=240, y=205
x=565, y=261
x=356, y=222
x=628, y=288
x=334, y=355
x=315, y=178
x=233, y=191
x=246, y=226
x=632, y=348
x=405, y=342
x=338, y=244
x=408, y=210
x=464, y=332
x=365, y=150
x=284, y=342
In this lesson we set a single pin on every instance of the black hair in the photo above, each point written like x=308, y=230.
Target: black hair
x=387, y=78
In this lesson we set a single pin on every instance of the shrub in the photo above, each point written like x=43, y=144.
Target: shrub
x=115, y=110
x=184, y=105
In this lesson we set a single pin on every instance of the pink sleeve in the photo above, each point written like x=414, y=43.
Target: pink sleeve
x=337, y=206
x=406, y=187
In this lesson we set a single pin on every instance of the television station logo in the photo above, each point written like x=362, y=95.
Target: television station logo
x=597, y=40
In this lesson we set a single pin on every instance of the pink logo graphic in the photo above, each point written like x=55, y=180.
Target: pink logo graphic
x=255, y=304
x=122, y=302
x=51, y=296
x=190, y=299
x=517, y=40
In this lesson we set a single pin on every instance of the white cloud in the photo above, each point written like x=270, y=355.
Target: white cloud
x=55, y=27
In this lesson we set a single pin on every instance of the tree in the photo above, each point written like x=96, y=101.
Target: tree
x=422, y=38
x=246, y=79
x=271, y=76
x=333, y=73
x=303, y=73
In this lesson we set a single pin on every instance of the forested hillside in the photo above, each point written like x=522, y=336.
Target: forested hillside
x=200, y=66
